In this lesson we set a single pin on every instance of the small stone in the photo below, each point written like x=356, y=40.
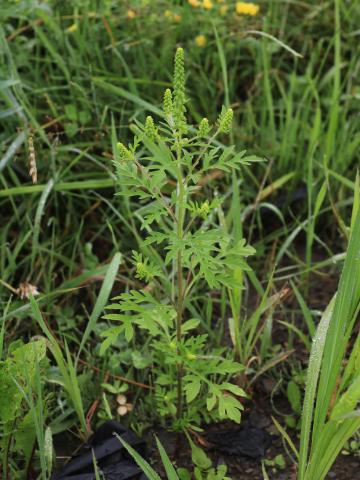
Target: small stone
x=332, y=475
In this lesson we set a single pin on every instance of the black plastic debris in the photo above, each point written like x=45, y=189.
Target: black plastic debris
x=113, y=460
x=247, y=440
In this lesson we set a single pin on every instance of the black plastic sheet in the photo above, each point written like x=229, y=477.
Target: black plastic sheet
x=113, y=460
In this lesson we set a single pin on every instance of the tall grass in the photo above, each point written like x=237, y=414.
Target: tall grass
x=330, y=415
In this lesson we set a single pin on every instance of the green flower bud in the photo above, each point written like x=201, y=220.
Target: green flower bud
x=225, y=120
x=204, y=209
x=168, y=104
x=204, y=128
x=124, y=153
x=150, y=130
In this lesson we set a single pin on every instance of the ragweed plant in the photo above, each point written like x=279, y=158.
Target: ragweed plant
x=182, y=249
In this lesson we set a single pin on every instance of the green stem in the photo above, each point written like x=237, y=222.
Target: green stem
x=180, y=286
x=235, y=301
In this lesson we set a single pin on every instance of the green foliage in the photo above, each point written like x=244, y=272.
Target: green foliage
x=294, y=396
x=181, y=245
x=17, y=374
x=67, y=72
x=330, y=416
x=65, y=365
x=20, y=378
x=277, y=463
x=203, y=469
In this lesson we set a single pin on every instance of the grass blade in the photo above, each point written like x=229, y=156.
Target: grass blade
x=143, y=464
x=102, y=299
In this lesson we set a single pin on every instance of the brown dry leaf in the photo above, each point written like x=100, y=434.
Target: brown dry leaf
x=32, y=160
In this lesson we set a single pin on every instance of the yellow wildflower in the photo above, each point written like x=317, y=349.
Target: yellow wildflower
x=245, y=8
x=200, y=40
x=207, y=4
x=168, y=14
x=72, y=28
x=223, y=9
x=130, y=14
x=194, y=3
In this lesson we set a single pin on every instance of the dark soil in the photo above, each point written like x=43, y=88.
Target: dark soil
x=240, y=467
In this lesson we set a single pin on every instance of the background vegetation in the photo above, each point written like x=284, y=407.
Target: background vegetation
x=75, y=76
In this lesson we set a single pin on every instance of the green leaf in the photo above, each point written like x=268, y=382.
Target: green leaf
x=210, y=402
x=170, y=471
x=102, y=299
x=139, y=360
x=294, y=396
x=199, y=457
x=192, y=390
x=143, y=464
x=230, y=408
x=48, y=449
x=111, y=335
x=233, y=389
x=190, y=325
x=183, y=474
x=25, y=435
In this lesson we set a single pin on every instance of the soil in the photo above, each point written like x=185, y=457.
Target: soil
x=346, y=467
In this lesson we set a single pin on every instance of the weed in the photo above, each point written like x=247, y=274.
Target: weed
x=181, y=250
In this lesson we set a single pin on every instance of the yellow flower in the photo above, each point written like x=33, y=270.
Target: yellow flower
x=194, y=3
x=223, y=9
x=175, y=17
x=207, y=4
x=130, y=14
x=72, y=28
x=200, y=40
x=244, y=8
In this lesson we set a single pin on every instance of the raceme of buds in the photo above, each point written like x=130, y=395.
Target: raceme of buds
x=124, y=153
x=225, y=120
x=204, y=209
x=204, y=128
x=168, y=105
x=150, y=129
x=179, y=92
